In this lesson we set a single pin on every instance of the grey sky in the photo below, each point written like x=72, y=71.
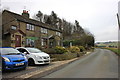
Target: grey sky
x=98, y=16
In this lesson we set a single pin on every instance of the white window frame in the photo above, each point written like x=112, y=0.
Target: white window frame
x=58, y=33
x=42, y=42
x=29, y=42
x=13, y=27
x=33, y=27
x=43, y=30
x=27, y=27
x=30, y=27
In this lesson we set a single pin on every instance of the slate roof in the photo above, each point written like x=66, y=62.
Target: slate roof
x=30, y=21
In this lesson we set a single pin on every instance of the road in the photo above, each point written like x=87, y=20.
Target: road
x=16, y=73
x=100, y=64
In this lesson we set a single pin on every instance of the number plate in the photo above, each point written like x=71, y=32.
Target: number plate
x=19, y=64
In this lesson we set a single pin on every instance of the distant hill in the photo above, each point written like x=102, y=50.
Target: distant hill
x=113, y=44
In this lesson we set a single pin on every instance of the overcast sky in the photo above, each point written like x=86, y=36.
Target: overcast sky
x=97, y=16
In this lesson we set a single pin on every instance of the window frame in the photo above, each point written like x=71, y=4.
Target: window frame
x=30, y=27
x=58, y=33
x=44, y=30
x=13, y=27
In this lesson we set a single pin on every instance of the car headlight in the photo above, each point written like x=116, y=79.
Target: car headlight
x=6, y=59
x=40, y=57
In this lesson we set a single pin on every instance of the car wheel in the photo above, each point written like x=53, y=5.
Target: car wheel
x=31, y=62
x=24, y=68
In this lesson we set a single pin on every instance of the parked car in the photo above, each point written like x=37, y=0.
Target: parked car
x=12, y=59
x=34, y=55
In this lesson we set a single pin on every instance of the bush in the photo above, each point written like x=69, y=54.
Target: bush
x=60, y=50
x=66, y=43
x=74, y=49
x=50, y=51
x=65, y=56
x=81, y=48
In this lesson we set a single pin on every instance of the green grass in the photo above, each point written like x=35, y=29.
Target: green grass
x=115, y=50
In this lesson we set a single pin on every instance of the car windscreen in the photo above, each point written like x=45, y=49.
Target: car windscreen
x=9, y=51
x=33, y=50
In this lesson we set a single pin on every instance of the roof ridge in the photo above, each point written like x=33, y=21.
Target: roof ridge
x=29, y=20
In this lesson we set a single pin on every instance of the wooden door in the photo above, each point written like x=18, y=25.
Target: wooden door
x=17, y=41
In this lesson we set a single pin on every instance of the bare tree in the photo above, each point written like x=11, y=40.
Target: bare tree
x=40, y=16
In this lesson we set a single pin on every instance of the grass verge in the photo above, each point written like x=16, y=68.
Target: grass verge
x=116, y=50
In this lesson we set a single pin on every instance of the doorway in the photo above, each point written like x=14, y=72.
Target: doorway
x=17, y=41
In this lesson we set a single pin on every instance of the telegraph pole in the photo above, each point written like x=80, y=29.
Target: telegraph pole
x=118, y=21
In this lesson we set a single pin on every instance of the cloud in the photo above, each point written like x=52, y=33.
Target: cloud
x=109, y=33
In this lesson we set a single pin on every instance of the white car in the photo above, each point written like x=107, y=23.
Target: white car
x=34, y=55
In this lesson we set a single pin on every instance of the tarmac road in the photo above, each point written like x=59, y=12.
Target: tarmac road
x=17, y=73
x=100, y=64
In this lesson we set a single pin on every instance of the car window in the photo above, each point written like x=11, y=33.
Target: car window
x=33, y=50
x=8, y=51
x=22, y=50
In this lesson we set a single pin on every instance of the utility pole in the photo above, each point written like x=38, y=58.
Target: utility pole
x=118, y=21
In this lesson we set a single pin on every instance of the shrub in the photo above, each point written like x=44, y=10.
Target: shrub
x=74, y=49
x=65, y=56
x=50, y=51
x=66, y=43
x=81, y=48
x=60, y=50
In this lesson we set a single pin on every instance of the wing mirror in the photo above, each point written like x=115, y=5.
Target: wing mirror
x=25, y=53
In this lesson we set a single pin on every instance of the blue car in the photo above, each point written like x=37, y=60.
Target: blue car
x=12, y=59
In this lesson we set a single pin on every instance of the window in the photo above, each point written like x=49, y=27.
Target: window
x=43, y=42
x=30, y=27
x=30, y=42
x=58, y=33
x=13, y=27
x=43, y=30
x=22, y=50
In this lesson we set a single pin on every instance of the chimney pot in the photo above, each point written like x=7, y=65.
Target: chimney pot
x=25, y=14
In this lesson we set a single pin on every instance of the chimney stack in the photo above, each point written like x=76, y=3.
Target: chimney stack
x=25, y=14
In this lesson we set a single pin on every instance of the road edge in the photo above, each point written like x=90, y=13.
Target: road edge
x=50, y=69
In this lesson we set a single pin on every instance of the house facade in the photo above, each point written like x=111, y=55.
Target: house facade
x=21, y=31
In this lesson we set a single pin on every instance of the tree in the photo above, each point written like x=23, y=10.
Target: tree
x=79, y=29
x=48, y=20
x=54, y=18
x=45, y=18
x=40, y=16
x=72, y=32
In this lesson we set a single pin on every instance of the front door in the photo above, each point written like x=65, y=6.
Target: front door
x=17, y=41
